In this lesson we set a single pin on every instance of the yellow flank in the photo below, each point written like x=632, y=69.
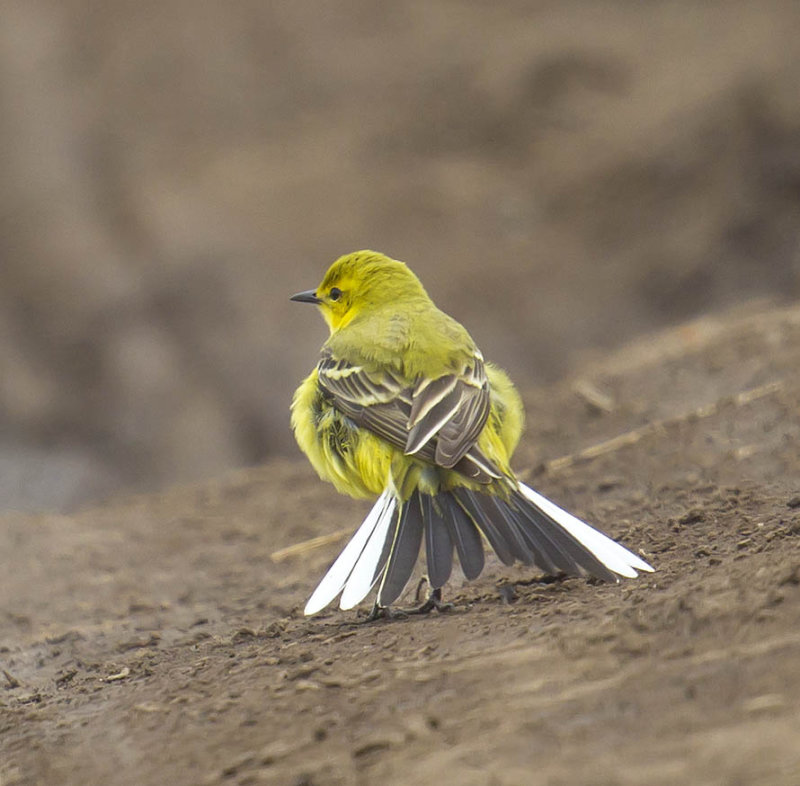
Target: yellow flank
x=389, y=336
x=362, y=468
x=507, y=411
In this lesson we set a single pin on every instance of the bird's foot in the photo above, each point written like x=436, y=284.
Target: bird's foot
x=386, y=613
x=433, y=601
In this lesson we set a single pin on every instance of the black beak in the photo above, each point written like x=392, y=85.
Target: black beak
x=309, y=296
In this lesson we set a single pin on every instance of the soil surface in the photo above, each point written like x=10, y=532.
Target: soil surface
x=157, y=640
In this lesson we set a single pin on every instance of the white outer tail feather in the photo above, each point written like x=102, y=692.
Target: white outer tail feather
x=615, y=557
x=353, y=572
x=335, y=579
x=364, y=574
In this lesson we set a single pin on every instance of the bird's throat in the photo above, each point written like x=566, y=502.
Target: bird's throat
x=338, y=321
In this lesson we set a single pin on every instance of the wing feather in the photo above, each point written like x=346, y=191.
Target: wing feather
x=438, y=420
x=428, y=394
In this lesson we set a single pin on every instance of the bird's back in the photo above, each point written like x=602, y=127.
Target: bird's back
x=413, y=338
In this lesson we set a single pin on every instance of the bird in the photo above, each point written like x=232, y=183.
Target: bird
x=402, y=406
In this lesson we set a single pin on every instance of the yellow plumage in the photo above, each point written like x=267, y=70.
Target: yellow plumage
x=362, y=471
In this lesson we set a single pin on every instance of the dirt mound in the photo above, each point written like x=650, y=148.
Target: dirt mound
x=156, y=640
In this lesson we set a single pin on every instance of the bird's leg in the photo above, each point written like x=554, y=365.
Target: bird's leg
x=433, y=601
x=423, y=582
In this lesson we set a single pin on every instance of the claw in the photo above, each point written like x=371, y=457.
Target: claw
x=433, y=601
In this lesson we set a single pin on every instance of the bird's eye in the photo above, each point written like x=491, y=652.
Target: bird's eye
x=335, y=293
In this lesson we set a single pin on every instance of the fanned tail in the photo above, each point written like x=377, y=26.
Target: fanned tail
x=525, y=527
x=615, y=558
x=530, y=528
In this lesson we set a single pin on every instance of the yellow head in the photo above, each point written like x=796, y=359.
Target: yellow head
x=363, y=279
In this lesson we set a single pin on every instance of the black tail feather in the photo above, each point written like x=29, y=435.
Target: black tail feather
x=549, y=543
x=438, y=544
x=517, y=529
x=464, y=534
x=473, y=505
x=404, y=551
x=546, y=555
x=568, y=554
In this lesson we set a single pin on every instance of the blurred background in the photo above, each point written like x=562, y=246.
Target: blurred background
x=562, y=175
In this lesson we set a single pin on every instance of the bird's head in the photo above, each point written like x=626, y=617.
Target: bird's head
x=358, y=281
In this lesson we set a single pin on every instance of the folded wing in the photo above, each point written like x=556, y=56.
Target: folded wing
x=438, y=420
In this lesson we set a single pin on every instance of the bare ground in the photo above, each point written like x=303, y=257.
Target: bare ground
x=156, y=641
